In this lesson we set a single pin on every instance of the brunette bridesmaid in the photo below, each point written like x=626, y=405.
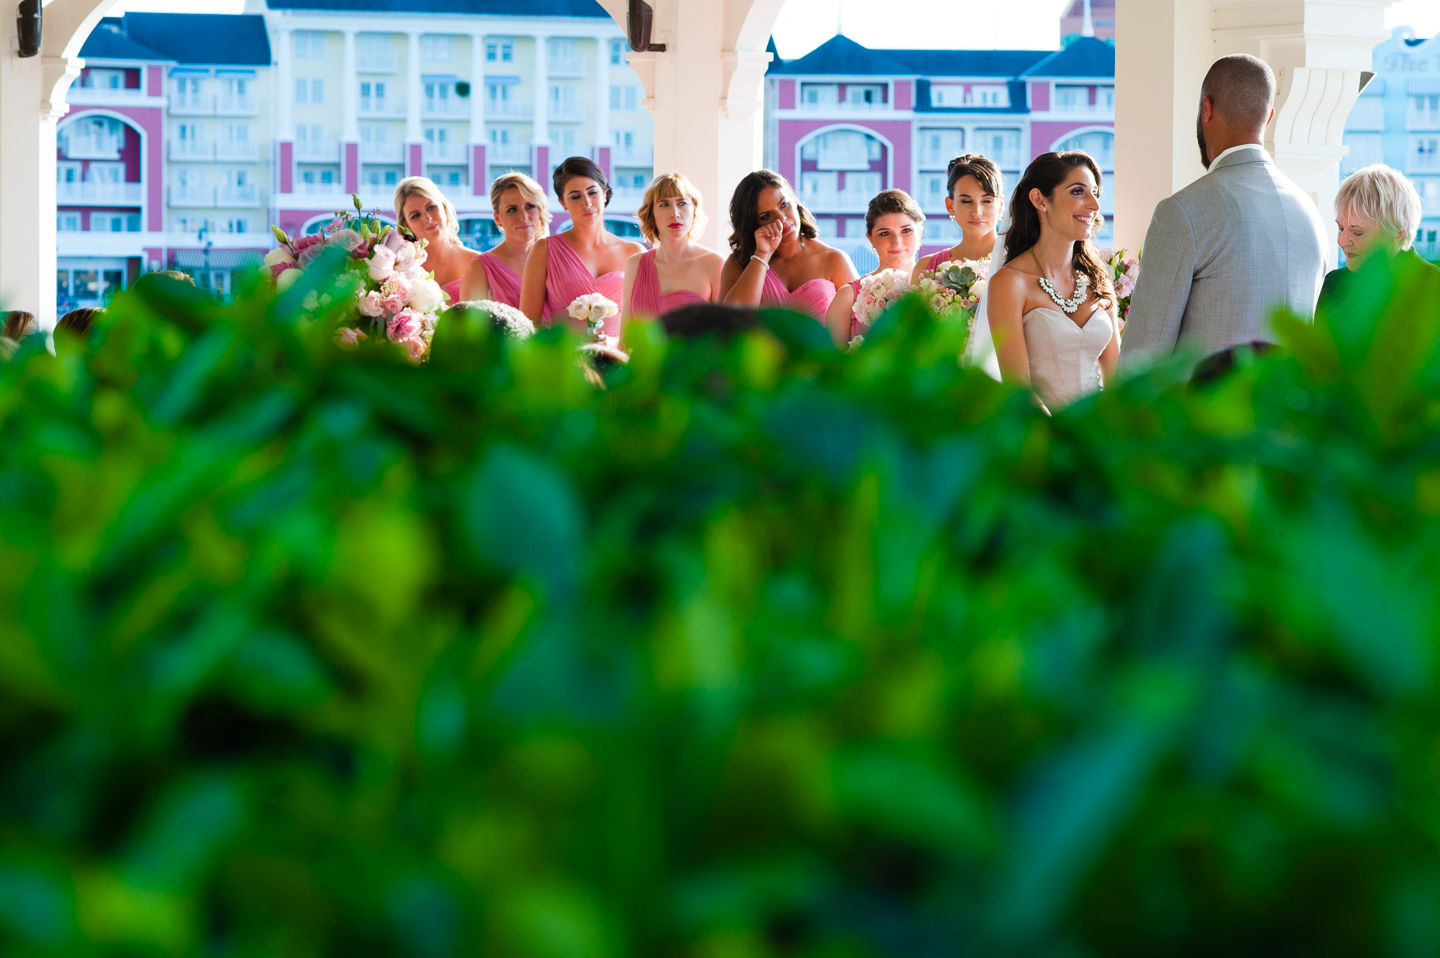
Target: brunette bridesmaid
x=523, y=216
x=975, y=200
x=678, y=271
x=777, y=258
x=425, y=211
x=894, y=224
x=587, y=258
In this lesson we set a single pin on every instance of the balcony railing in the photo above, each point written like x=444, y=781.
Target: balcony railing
x=100, y=194
x=566, y=112
x=445, y=106
x=567, y=67
x=1430, y=204
x=232, y=104
x=1419, y=162
x=91, y=147
x=318, y=189
x=507, y=110
x=450, y=151
x=835, y=106
x=376, y=61
x=1419, y=119
x=243, y=151
x=192, y=194
x=192, y=104
x=507, y=153
x=317, y=151
x=632, y=156
x=376, y=195
x=381, y=106
x=382, y=152
x=191, y=149
x=105, y=94
x=242, y=195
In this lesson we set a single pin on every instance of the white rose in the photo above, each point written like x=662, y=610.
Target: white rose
x=279, y=255
x=426, y=296
x=978, y=288
x=287, y=279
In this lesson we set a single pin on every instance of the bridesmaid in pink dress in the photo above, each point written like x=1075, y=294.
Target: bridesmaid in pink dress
x=778, y=259
x=421, y=207
x=587, y=258
x=894, y=224
x=523, y=216
x=677, y=272
x=975, y=200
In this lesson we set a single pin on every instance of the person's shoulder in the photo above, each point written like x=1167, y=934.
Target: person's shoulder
x=1009, y=278
x=633, y=261
x=633, y=248
x=541, y=245
x=707, y=257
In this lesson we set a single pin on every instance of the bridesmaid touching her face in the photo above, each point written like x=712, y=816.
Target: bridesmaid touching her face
x=523, y=217
x=777, y=258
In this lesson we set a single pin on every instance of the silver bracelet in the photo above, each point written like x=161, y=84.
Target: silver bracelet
x=756, y=258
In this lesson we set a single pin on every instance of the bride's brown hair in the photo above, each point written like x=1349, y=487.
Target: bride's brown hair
x=1046, y=174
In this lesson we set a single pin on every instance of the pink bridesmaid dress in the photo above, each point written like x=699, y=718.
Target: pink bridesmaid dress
x=504, y=284
x=645, y=298
x=856, y=327
x=811, y=297
x=566, y=278
x=452, y=290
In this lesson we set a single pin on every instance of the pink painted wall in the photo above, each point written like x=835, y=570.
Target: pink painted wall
x=904, y=95
x=143, y=163
x=541, y=165
x=602, y=160
x=287, y=167
x=897, y=132
x=1040, y=96
x=1045, y=134
x=787, y=94
x=416, y=166
x=350, y=167
x=155, y=82
x=479, y=172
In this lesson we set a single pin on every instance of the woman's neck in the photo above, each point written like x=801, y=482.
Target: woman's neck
x=975, y=247
x=908, y=264
x=586, y=234
x=790, y=247
x=518, y=248
x=1056, y=253
x=671, y=249
x=438, y=246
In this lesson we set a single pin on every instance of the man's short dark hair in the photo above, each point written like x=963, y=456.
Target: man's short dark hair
x=1242, y=89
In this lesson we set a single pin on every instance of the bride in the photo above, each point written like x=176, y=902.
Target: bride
x=1050, y=310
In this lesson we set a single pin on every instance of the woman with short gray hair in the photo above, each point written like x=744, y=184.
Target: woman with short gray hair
x=1377, y=211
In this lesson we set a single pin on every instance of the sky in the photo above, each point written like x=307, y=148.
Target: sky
x=953, y=24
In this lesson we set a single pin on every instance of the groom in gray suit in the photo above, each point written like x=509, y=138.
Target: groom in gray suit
x=1230, y=247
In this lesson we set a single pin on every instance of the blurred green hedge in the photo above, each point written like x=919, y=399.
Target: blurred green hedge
x=763, y=650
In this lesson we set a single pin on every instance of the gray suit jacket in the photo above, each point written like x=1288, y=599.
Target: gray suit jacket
x=1220, y=256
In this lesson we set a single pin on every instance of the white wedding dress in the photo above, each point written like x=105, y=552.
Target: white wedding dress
x=1064, y=357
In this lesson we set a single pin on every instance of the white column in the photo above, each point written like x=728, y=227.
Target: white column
x=602, y=93
x=540, y=132
x=478, y=172
x=284, y=80
x=715, y=53
x=349, y=92
x=414, y=131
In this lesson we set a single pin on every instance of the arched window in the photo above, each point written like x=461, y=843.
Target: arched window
x=840, y=170
x=1100, y=144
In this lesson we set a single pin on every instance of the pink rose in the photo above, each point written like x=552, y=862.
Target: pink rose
x=279, y=268
x=416, y=349
x=403, y=326
x=370, y=304
x=395, y=293
x=305, y=242
x=382, y=263
x=346, y=337
x=310, y=254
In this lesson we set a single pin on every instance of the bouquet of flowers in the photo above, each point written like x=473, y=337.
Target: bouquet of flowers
x=954, y=287
x=593, y=310
x=1124, y=271
x=504, y=318
x=878, y=292
x=395, y=297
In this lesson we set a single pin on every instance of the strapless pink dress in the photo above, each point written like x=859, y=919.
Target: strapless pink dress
x=645, y=298
x=811, y=297
x=567, y=278
x=504, y=284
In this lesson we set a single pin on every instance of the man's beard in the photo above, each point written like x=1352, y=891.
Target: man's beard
x=1200, y=136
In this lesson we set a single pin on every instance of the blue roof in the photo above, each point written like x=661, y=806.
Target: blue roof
x=841, y=56
x=528, y=8
x=181, y=38
x=1086, y=57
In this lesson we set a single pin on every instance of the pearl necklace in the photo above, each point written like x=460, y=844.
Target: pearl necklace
x=1082, y=288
